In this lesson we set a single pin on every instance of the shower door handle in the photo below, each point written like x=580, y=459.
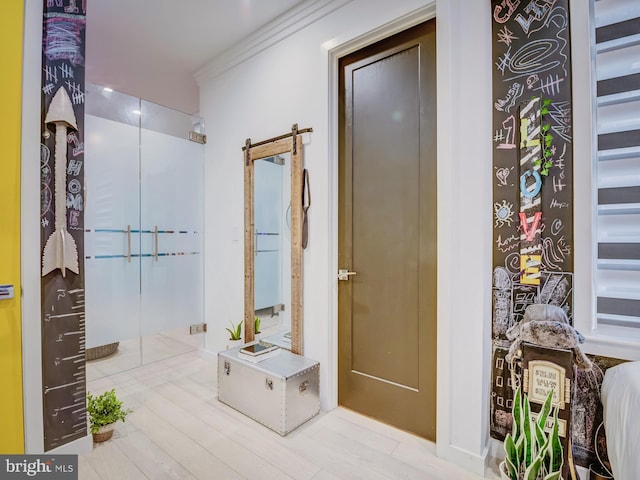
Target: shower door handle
x=155, y=243
x=129, y=243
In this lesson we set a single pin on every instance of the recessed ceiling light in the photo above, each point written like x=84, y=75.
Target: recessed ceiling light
x=107, y=89
x=137, y=112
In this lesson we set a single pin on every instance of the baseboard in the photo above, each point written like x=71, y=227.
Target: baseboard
x=469, y=461
x=208, y=355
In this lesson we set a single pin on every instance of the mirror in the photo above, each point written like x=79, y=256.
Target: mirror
x=273, y=251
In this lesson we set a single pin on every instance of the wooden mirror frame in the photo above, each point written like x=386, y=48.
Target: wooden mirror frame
x=253, y=153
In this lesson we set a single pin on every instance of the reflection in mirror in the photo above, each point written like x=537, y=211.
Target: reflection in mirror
x=272, y=247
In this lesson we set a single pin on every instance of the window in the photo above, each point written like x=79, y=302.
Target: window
x=616, y=275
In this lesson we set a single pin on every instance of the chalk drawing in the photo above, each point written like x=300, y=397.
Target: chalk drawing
x=503, y=213
x=560, y=113
x=501, y=278
x=533, y=57
x=554, y=253
x=556, y=204
x=502, y=174
x=75, y=92
x=62, y=38
x=506, y=36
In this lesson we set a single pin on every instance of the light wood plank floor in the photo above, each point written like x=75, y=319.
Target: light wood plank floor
x=179, y=430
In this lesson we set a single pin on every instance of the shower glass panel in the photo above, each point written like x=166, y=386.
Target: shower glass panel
x=144, y=218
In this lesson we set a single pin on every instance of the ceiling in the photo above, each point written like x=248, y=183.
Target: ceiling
x=150, y=48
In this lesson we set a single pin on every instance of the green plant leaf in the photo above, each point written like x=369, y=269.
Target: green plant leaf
x=548, y=164
x=256, y=327
x=546, y=127
x=516, y=413
x=511, y=458
x=546, y=406
x=105, y=409
x=553, y=476
x=526, y=431
x=555, y=447
x=541, y=438
x=531, y=473
x=235, y=331
x=546, y=102
x=544, y=111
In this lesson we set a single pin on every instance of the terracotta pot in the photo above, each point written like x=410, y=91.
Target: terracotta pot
x=104, y=433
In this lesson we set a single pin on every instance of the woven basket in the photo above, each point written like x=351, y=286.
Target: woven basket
x=104, y=433
x=102, y=351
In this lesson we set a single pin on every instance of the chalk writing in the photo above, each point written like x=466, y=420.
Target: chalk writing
x=74, y=218
x=509, y=124
x=556, y=204
x=513, y=94
x=74, y=186
x=503, y=11
x=73, y=167
x=508, y=244
x=48, y=88
x=556, y=226
x=536, y=11
x=74, y=201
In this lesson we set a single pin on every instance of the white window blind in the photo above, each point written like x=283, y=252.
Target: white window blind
x=617, y=172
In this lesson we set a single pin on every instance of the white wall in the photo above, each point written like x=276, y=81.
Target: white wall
x=290, y=82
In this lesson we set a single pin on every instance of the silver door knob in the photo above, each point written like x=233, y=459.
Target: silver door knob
x=344, y=274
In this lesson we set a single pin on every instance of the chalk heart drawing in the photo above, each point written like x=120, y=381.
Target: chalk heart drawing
x=503, y=213
x=502, y=174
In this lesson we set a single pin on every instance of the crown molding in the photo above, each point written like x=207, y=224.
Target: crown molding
x=297, y=18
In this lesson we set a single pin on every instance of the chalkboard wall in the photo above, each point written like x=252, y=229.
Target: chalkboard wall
x=62, y=208
x=532, y=213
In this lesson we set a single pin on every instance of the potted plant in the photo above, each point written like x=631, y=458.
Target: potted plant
x=531, y=453
x=104, y=411
x=256, y=327
x=235, y=333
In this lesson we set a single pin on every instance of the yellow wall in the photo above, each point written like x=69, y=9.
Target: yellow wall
x=11, y=412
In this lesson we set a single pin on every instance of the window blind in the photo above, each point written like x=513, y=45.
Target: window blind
x=617, y=170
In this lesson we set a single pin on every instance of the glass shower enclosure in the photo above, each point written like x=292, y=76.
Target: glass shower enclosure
x=143, y=237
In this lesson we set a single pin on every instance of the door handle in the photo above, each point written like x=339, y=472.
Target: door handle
x=344, y=274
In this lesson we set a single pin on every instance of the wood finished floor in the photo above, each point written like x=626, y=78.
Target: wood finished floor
x=179, y=430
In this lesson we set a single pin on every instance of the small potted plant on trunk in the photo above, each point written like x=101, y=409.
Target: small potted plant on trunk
x=104, y=411
x=531, y=452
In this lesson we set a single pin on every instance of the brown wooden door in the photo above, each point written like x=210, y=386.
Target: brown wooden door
x=387, y=231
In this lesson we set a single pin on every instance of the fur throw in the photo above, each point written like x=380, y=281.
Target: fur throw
x=547, y=326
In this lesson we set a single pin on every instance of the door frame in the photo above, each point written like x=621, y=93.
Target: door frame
x=405, y=22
